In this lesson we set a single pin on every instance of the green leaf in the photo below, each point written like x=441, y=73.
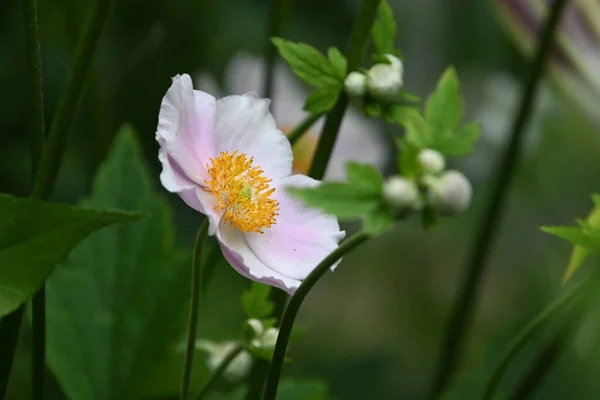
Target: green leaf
x=402, y=114
x=256, y=302
x=322, y=99
x=338, y=62
x=364, y=176
x=308, y=63
x=384, y=29
x=341, y=199
x=417, y=131
x=444, y=109
x=35, y=236
x=577, y=236
x=408, y=158
x=580, y=253
x=459, y=143
x=378, y=221
x=117, y=309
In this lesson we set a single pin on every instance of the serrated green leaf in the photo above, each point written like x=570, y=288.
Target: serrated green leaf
x=444, y=109
x=384, y=29
x=364, y=176
x=308, y=63
x=343, y=200
x=115, y=311
x=378, y=221
x=322, y=99
x=35, y=236
x=458, y=143
x=402, y=114
x=256, y=302
x=338, y=62
x=417, y=131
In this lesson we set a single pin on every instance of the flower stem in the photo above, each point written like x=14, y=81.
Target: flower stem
x=305, y=125
x=219, y=371
x=278, y=15
x=67, y=105
x=462, y=310
x=534, y=325
x=194, y=301
x=293, y=307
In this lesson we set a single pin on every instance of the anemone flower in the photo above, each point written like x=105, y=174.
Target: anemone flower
x=574, y=64
x=359, y=138
x=227, y=159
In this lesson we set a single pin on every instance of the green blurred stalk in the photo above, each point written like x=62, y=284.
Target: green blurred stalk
x=47, y=171
x=534, y=325
x=287, y=323
x=219, y=371
x=194, y=303
x=305, y=125
x=462, y=311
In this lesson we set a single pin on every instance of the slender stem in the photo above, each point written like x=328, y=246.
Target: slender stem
x=305, y=125
x=194, y=302
x=67, y=105
x=293, y=307
x=278, y=17
x=38, y=326
x=11, y=324
x=219, y=371
x=9, y=335
x=524, y=335
x=462, y=310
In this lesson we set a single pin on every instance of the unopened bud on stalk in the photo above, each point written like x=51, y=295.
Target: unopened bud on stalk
x=432, y=161
x=384, y=81
x=269, y=338
x=400, y=193
x=356, y=84
x=450, y=194
x=255, y=326
x=217, y=352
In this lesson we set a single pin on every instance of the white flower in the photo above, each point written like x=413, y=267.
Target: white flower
x=400, y=193
x=217, y=352
x=356, y=84
x=384, y=81
x=359, y=139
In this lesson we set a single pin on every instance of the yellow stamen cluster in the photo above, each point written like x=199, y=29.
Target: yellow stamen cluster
x=242, y=191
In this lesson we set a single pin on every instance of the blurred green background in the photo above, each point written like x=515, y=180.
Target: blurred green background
x=374, y=327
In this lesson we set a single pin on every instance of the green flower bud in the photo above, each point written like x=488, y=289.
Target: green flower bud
x=401, y=194
x=356, y=84
x=450, y=194
x=384, y=81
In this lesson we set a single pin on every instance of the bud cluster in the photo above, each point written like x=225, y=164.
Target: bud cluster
x=382, y=82
x=447, y=193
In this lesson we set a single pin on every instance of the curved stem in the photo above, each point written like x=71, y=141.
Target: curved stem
x=462, y=309
x=194, y=302
x=524, y=335
x=293, y=307
x=305, y=125
x=219, y=371
x=67, y=105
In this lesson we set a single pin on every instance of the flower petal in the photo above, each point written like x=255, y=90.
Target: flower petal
x=236, y=250
x=302, y=236
x=243, y=123
x=185, y=133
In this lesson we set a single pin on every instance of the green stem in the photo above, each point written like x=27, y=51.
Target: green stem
x=293, y=307
x=67, y=105
x=278, y=16
x=219, y=371
x=522, y=338
x=38, y=327
x=11, y=324
x=194, y=302
x=462, y=310
x=305, y=125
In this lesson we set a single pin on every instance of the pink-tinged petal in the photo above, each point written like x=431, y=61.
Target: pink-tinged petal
x=243, y=123
x=301, y=238
x=185, y=132
x=238, y=253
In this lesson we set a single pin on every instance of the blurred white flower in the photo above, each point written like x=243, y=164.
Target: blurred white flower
x=359, y=139
x=401, y=193
x=356, y=84
x=217, y=352
x=384, y=81
x=449, y=194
